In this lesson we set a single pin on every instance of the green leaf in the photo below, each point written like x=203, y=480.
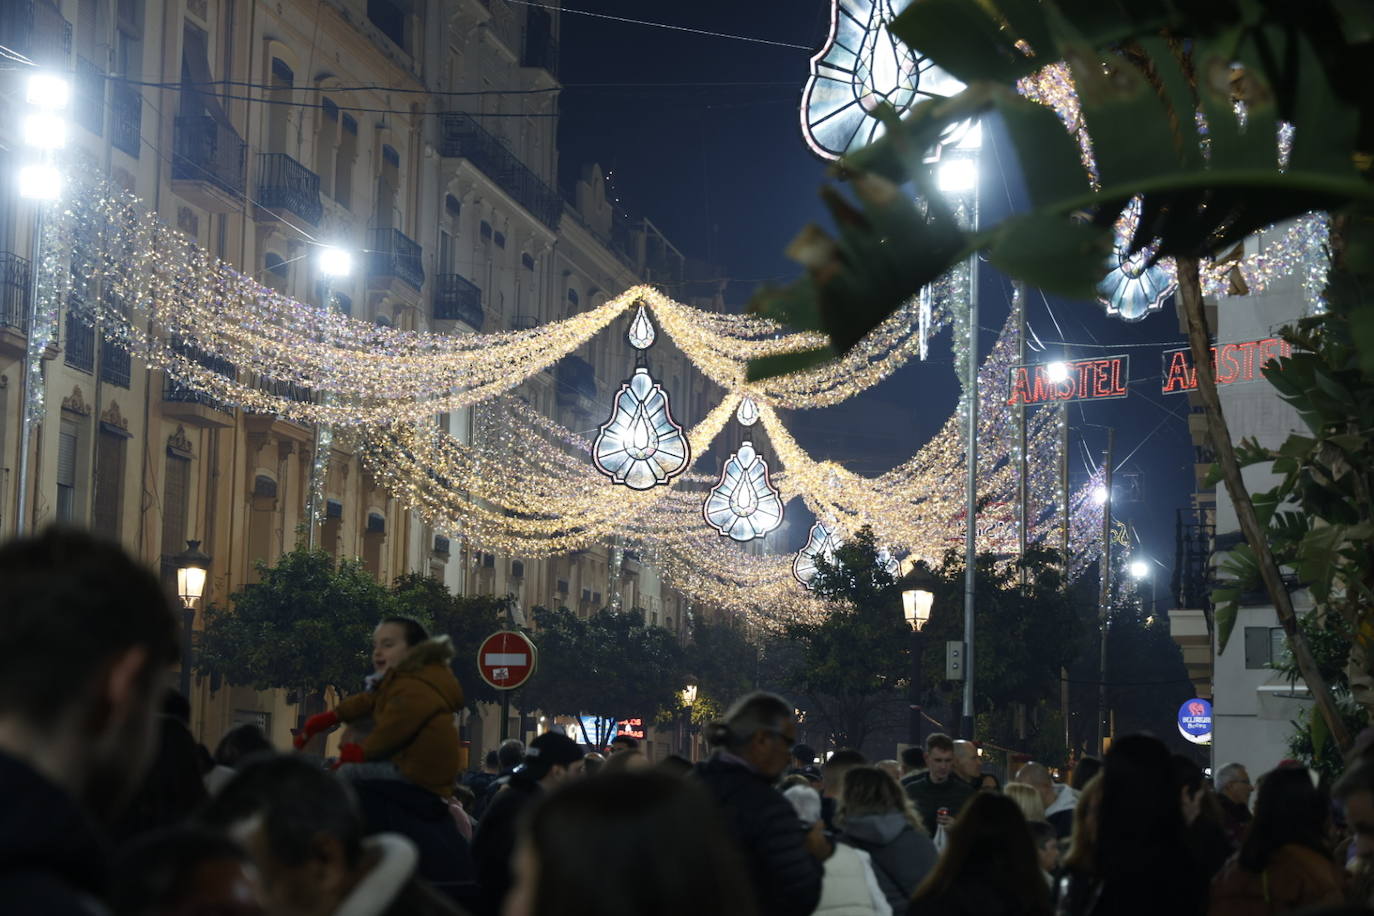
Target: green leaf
x=1226, y=602
x=962, y=39
x=1037, y=130
x=1058, y=257
x=1320, y=731
x=786, y=363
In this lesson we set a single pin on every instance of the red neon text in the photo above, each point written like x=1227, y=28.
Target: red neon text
x=1088, y=380
x=1231, y=363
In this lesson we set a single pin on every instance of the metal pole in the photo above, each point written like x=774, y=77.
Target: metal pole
x=1064, y=554
x=1022, y=490
x=318, y=462
x=32, y=368
x=914, y=728
x=505, y=714
x=971, y=483
x=1105, y=595
x=188, y=623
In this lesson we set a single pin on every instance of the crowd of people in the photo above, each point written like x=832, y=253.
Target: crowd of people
x=108, y=805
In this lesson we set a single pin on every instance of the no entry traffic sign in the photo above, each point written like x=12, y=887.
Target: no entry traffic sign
x=506, y=659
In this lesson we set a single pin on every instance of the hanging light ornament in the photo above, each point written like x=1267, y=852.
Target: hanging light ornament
x=819, y=543
x=888, y=563
x=744, y=505
x=1134, y=286
x=641, y=446
x=748, y=412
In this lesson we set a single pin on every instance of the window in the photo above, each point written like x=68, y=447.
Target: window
x=129, y=38
x=107, y=504
x=573, y=298
x=446, y=252
x=390, y=19
x=484, y=230
x=387, y=183
x=500, y=240
x=326, y=143
x=453, y=208
x=1265, y=647
x=176, y=503
x=279, y=97
x=526, y=260
x=277, y=273
x=67, y=438
x=343, y=162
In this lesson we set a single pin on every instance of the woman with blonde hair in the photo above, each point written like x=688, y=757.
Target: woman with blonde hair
x=877, y=817
x=1028, y=799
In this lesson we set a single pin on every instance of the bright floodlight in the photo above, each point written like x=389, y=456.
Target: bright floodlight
x=1139, y=569
x=335, y=262
x=45, y=130
x=40, y=182
x=1057, y=372
x=48, y=91
x=972, y=138
x=1100, y=495
x=957, y=174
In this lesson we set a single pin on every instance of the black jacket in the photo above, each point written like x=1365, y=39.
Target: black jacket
x=401, y=806
x=929, y=797
x=493, y=845
x=52, y=861
x=786, y=877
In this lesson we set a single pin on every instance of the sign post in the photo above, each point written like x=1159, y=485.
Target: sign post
x=506, y=660
x=1195, y=721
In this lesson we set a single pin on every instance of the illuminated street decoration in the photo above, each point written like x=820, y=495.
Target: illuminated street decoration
x=1098, y=379
x=641, y=333
x=748, y=413
x=862, y=66
x=1232, y=363
x=641, y=446
x=819, y=543
x=1133, y=287
x=888, y=563
x=744, y=505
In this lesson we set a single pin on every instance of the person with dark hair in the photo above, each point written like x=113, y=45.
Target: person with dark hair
x=753, y=744
x=551, y=760
x=88, y=637
x=239, y=743
x=480, y=781
x=626, y=844
x=1045, y=839
x=1141, y=861
x=1206, y=836
x=184, y=870
x=913, y=760
x=172, y=788
x=989, y=866
x=832, y=783
x=938, y=793
x=509, y=756
x=877, y=817
x=1083, y=771
x=988, y=782
x=303, y=831
x=1285, y=864
x=803, y=755
x=411, y=707
x=674, y=765
x=593, y=763
x=622, y=743
x=1355, y=791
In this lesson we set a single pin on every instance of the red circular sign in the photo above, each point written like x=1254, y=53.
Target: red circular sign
x=506, y=659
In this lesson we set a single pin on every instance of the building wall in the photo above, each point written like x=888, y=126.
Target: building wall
x=391, y=169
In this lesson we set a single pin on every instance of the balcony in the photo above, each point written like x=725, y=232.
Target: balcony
x=14, y=304
x=208, y=164
x=575, y=379
x=1195, y=541
x=457, y=298
x=126, y=118
x=89, y=96
x=79, y=349
x=288, y=188
x=37, y=29
x=190, y=405
x=392, y=255
x=115, y=365
x=461, y=137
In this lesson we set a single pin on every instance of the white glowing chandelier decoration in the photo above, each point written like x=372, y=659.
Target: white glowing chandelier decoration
x=819, y=543
x=641, y=445
x=744, y=505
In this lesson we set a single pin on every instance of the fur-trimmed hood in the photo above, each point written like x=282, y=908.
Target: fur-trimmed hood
x=437, y=650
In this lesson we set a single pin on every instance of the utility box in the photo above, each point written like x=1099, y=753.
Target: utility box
x=954, y=661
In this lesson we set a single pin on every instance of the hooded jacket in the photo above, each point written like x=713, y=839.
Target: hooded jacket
x=412, y=711
x=1060, y=811
x=902, y=856
x=849, y=887
x=51, y=860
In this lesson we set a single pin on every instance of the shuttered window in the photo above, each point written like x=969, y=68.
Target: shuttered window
x=175, y=504
x=108, y=501
x=66, y=472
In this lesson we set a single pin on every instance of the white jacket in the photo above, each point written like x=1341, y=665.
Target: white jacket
x=849, y=887
x=1065, y=799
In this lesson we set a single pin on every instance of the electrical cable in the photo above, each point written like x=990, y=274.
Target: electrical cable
x=665, y=25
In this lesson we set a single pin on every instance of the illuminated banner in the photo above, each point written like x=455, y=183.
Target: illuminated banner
x=1231, y=363
x=1083, y=380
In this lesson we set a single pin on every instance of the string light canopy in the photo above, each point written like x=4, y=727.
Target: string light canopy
x=744, y=505
x=641, y=445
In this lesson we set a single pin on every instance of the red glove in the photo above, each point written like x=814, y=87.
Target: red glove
x=348, y=753
x=313, y=726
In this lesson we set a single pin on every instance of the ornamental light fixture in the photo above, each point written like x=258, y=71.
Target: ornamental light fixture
x=820, y=542
x=641, y=445
x=744, y=505
x=748, y=412
x=1135, y=283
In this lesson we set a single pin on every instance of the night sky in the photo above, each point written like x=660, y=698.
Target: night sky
x=701, y=135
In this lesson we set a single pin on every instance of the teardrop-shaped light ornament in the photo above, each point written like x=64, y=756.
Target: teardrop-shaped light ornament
x=641, y=446
x=748, y=412
x=888, y=563
x=744, y=505
x=819, y=543
x=641, y=333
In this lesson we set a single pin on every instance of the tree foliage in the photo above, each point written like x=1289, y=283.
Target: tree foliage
x=467, y=620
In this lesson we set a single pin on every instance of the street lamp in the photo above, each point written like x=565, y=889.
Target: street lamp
x=1101, y=495
x=333, y=263
x=45, y=132
x=193, y=565
x=918, y=596
x=1139, y=569
x=1057, y=372
x=689, y=699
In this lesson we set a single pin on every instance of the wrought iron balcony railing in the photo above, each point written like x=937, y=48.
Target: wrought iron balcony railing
x=456, y=298
x=79, y=340
x=36, y=29
x=14, y=292
x=285, y=184
x=575, y=377
x=178, y=393
x=461, y=137
x=392, y=254
x=206, y=150
x=126, y=117
x=88, y=104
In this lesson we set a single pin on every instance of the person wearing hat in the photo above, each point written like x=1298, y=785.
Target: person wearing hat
x=550, y=759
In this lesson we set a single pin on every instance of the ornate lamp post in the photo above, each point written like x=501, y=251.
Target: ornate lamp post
x=689, y=699
x=917, y=599
x=193, y=565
